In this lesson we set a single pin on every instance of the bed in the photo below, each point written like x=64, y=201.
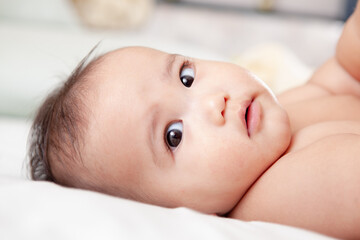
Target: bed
x=36, y=58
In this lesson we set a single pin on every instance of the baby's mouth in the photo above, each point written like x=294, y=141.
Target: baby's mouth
x=244, y=114
x=253, y=117
x=246, y=118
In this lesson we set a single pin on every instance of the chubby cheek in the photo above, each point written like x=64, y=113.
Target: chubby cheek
x=213, y=177
x=217, y=181
x=223, y=163
x=219, y=165
x=215, y=152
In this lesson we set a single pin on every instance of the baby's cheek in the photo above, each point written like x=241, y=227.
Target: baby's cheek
x=222, y=163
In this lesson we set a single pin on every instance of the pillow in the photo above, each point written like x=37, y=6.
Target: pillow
x=13, y=137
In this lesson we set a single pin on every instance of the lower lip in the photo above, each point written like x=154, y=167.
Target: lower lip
x=253, y=117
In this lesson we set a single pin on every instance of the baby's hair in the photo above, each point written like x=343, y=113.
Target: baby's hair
x=58, y=129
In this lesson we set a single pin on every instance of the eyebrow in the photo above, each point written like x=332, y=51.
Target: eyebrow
x=170, y=64
x=153, y=119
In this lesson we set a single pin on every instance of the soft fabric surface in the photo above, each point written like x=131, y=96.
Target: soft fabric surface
x=45, y=211
x=42, y=210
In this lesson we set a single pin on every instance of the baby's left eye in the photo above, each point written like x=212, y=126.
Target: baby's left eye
x=187, y=76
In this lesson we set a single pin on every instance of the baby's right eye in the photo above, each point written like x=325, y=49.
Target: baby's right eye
x=173, y=135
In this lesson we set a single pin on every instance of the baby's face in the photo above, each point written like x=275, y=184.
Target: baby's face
x=175, y=131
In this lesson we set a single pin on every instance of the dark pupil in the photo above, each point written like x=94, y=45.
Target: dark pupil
x=187, y=80
x=174, y=137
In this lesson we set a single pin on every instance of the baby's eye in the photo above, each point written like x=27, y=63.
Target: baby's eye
x=187, y=75
x=174, y=134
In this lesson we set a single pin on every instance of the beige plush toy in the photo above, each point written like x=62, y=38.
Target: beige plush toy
x=113, y=13
x=277, y=65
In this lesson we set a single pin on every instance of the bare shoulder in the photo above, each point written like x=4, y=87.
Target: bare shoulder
x=314, y=188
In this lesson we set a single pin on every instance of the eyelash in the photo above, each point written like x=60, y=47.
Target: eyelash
x=185, y=63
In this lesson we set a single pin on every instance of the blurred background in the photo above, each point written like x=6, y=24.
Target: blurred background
x=41, y=41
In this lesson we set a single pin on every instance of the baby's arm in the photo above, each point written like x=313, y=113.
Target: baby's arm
x=341, y=74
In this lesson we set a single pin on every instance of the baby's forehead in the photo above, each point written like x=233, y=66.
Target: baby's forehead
x=118, y=78
x=131, y=53
x=129, y=64
x=124, y=61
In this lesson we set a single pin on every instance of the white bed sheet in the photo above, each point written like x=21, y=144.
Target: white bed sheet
x=42, y=210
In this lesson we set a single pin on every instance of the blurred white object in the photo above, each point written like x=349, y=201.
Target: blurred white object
x=114, y=13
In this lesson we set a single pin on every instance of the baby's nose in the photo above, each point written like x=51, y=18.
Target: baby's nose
x=215, y=106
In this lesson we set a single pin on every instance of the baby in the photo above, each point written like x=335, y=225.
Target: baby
x=174, y=131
